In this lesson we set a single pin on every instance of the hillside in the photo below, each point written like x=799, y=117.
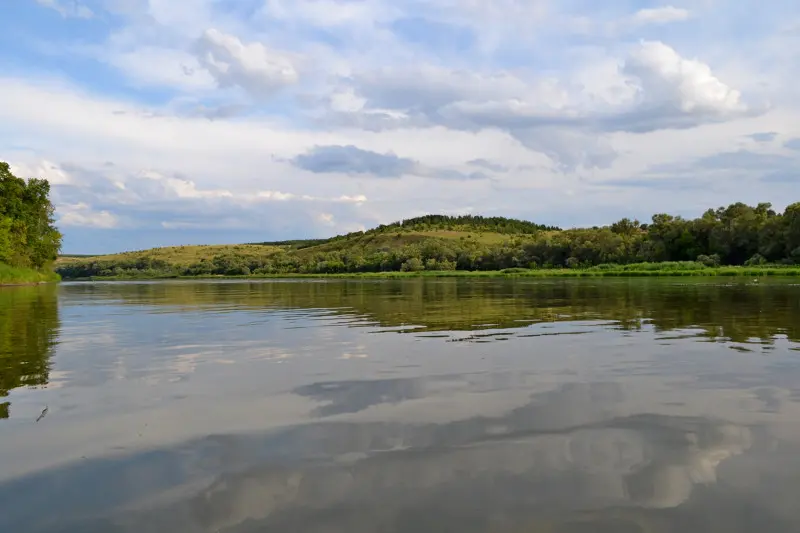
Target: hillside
x=485, y=229
x=178, y=255
x=734, y=235
x=243, y=259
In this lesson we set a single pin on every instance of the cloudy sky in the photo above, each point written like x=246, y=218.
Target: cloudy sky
x=211, y=121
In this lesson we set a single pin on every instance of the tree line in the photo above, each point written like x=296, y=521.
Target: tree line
x=735, y=235
x=28, y=236
x=506, y=226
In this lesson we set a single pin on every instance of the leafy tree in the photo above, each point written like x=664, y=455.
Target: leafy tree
x=28, y=236
x=412, y=265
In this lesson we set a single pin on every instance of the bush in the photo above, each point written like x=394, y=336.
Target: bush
x=756, y=260
x=412, y=265
x=708, y=260
x=447, y=265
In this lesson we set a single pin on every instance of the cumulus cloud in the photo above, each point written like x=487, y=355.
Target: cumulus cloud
x=653, y=88
x=688, y=85
x=81, y=214
x=660, y=89
x=253, y=67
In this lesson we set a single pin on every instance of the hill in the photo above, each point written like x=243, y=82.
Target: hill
x=432, y=232
x=443, y=226
x=735, y=235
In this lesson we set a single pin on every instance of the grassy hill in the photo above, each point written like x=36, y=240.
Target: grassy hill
x=442, y=234
x=176, y=255
x=243, y=259
x=740, y=235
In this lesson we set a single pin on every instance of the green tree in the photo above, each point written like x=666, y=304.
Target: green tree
x=28, y=236
x=791, y=217
x=412, y=265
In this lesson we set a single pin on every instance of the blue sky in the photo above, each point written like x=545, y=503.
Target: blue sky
x=211, y=121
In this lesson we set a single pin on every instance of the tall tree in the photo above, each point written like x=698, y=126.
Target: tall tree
x=28, y=236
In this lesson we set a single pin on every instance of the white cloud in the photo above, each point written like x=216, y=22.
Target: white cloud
x=253, y=66
x=660, y=15
x=52, y=172
x=667, y=78
x=187, y=189
x=81, y=214
x=279, y=196
x=359, y=199
x=275, y=195
x=652, y=88
x=216, y=102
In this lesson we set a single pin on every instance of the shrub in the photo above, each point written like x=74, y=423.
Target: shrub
x=412, y=265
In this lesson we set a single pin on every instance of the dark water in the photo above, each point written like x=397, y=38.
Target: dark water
x=401, y=406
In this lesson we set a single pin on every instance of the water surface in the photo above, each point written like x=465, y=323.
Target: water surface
x=565, y=406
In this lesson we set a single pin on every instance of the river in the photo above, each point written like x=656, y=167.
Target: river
x=419, y=405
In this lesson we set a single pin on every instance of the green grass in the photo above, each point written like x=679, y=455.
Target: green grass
x=24, y=276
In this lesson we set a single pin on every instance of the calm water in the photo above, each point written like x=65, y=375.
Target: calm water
x=401, y=406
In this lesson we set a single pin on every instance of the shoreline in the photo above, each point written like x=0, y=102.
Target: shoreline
x=21, y=277
x=755, y=272
x=27, y=283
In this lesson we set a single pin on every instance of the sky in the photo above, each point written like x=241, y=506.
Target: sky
x=163, y=122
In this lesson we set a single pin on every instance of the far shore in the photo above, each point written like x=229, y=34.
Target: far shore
x=733, y=271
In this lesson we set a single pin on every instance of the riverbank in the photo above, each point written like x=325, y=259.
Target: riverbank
x=595, y=272
x=25, y=276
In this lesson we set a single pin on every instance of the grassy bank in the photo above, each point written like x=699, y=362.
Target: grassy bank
x=25, y=276
x=641, y=270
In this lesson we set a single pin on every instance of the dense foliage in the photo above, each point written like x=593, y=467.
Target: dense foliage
x=507, y=226
x=28, y=237
x=733, y=235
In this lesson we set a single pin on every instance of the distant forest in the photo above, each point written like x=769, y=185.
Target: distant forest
x=735, y=235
